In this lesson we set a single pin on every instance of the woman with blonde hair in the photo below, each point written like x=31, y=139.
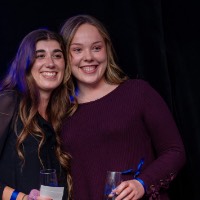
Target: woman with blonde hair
x=121, y=124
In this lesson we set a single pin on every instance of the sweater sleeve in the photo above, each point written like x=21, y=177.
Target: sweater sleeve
x=166, y=141
x=8, y=100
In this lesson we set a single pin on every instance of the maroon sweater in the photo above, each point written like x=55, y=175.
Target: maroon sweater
x=115, y=132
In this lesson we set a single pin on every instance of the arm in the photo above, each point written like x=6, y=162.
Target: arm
x=166, y=140
x=8, y=103
x=8, y=192
x=166, y=143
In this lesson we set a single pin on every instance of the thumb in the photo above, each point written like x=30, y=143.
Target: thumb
x=33, y=194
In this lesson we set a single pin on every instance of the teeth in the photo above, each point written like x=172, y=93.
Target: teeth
x=88, y=69
x=50, y=74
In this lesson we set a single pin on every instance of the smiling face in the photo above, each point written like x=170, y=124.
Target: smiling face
x=88, y=56
x=48, y=68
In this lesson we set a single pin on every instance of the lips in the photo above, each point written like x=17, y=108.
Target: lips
x=89, y=69
x=49, y=74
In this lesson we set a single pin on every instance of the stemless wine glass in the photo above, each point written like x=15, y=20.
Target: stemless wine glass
x=48, y=177
x=113, y=179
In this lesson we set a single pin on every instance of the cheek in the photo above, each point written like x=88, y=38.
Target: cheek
x=33, y=72
x=74, y=60
x=74, y=69
x=62, y=68
x=60, y=63
x=62, y=73
x=103, y=60
x=36, y=68
x=102, y=57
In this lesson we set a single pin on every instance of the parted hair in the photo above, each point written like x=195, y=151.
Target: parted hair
x=113, y=74
x=19, y=78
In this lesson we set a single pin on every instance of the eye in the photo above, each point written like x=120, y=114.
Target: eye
x=58, y=55
x=96, y=48
x=40, y=55
x=76, y=50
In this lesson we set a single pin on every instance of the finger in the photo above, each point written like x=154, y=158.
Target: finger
x=121, y=187
x=125, y=194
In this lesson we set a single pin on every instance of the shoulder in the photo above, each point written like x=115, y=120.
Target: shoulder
x=8, y=94
x=8, y=99
x=137, y=83
x=140, y=88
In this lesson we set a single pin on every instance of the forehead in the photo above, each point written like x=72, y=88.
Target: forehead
x=48, y=44
x=87, y=33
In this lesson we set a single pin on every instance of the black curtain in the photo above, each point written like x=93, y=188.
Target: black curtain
x=157, y=40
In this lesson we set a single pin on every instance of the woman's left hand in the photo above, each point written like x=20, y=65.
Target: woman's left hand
x=129, y=190
x=35, y=195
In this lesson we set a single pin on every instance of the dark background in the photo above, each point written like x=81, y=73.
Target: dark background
x=157, y=40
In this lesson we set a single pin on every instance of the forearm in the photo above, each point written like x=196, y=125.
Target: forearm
x=8, y=192
x=161, y=172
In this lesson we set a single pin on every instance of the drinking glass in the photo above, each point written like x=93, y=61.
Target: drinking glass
x=48, y=177
x=113, y=179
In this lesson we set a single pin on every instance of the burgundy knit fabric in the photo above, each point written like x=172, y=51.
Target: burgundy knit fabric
x=115, y=132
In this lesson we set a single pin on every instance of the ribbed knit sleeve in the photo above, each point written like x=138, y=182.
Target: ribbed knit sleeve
x=166, y=140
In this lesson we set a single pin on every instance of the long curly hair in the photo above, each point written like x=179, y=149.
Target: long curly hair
x=19, y=78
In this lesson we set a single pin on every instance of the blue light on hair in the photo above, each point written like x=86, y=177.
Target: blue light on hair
x=28, y=63
x=76, y=94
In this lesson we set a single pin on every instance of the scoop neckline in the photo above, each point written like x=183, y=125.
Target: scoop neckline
x=103, y=97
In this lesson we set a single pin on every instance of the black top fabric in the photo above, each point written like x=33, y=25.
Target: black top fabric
x=25, y=177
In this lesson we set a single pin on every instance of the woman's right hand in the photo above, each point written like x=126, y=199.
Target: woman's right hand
x=129, y=190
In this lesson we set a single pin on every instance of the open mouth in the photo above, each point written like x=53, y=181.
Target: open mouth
x=89, y=69
x=49, y=74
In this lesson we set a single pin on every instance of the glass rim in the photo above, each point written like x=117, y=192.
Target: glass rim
x=47, y=171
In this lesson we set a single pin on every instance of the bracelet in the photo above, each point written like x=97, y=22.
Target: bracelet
x=14, y=195
x=142, y=182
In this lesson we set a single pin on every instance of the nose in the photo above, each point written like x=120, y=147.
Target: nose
x=49, y=62
x=88, y=55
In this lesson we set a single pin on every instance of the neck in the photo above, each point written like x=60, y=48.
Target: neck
x=44, y=100
x=89, y=93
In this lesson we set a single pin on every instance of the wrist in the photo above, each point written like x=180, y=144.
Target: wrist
x=11, y=194
x=14, y=195
x=142, y=183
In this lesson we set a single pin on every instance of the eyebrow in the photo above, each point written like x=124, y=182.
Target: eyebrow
x=55, y=50
x=76, y=43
